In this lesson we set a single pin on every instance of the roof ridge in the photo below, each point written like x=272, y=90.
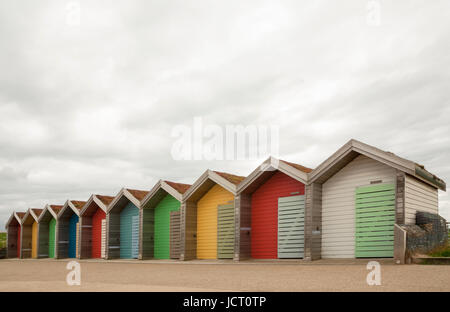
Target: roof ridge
x=298, y=166
x=233, y=178
x=179, y=187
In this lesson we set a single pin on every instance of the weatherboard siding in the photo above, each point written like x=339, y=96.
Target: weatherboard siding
x=419, y=197
x=338, y=204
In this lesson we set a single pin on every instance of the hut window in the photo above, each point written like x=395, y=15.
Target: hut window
x=376, y=182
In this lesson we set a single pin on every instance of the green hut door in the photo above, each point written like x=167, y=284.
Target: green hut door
x=225, y=231
x=291, y=226
x=162, y=226
x=375, y=219
x=51, y=238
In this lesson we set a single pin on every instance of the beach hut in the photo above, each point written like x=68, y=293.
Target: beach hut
x=67, y=229
x=13, y=229
x=47, y=231
x=93, y=227
x=358, y=195
x=160, y=221
x=29, y=233
x=207, y=217
x=271, y=210
x=122, y=225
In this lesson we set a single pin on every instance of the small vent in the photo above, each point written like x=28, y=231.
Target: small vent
x=376, y=182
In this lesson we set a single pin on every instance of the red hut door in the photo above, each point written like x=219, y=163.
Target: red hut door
x=97, y=233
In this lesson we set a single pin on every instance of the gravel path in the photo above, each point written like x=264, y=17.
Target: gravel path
x=322, y=275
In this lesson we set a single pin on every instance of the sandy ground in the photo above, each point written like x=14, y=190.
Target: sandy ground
x=133, y=275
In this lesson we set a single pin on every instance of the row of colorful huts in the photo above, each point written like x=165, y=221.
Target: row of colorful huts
x=345, y=208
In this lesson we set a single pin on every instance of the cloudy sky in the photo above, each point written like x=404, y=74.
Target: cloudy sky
x=90, y=91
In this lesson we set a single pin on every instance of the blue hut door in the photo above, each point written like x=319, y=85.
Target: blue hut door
x=73, y=236
x=129, y=232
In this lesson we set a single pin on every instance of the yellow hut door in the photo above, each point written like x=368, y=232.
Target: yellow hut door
x=207, y=221
x=34, y=236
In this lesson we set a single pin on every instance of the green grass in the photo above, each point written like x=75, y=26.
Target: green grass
x=2, y=240
x=441, y=252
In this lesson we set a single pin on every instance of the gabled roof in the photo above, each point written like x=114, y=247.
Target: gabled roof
x=139, y=195
x=161, y=189
x=179, y=187
x=106, y=200
x=208, y=179
x=77, y=204
x=20, y=215
x=45, y=212
x=36, y=212
x=235, y=179
x=354, y=148
x=264, y=171
x=74, y=205
x=28, y=218
x=54, y=210
x=14, y=216
x=125, y=195
x=102, y=201
x=297, y=166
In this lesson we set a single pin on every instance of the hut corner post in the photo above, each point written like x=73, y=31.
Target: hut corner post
x=313, y=221
x=242, y=245
x=57, y=238
x=399, y=233
x=188, y=246
x=400, y=198
x=80, y=238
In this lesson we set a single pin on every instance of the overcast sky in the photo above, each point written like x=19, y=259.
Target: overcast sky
x=89, y=107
